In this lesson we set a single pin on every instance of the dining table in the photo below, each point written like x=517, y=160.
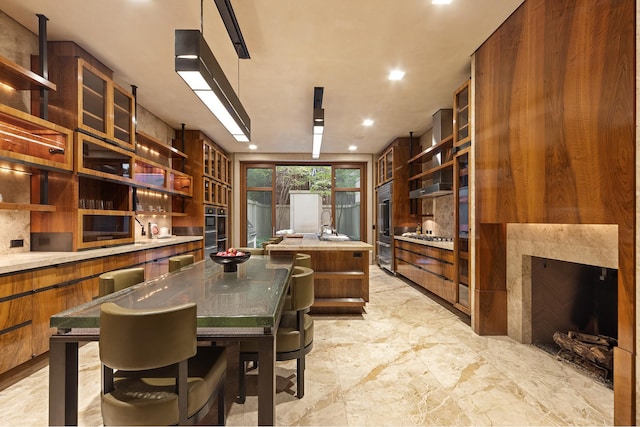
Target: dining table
x=242, y=305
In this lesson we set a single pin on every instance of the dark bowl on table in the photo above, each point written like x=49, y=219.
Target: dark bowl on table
x=230, y=263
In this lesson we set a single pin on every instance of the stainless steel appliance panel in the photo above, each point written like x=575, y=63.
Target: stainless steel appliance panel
x=384, y=226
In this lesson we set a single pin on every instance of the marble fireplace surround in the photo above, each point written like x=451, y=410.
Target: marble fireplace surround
x=593, y=244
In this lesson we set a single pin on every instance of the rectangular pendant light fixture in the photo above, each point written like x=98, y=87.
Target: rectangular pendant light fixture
x=318, y=130
x=318, y=121
x=197, y=66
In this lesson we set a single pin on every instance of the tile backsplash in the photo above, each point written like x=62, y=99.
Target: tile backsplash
x=14, y=224
x=442, y=221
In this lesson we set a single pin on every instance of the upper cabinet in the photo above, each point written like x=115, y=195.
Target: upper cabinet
x=89, y=101
x=384, y=166
x=394, y=171
x=217, y=175
x=35, y=142
x=461, y=117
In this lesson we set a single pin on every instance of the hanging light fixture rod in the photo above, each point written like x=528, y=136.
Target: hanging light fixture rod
x=233, y=28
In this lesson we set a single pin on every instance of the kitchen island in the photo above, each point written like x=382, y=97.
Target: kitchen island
x=341, y=271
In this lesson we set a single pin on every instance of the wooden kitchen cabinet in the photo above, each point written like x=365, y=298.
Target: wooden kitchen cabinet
x=462, y=114
x=462, y=229
x=32, y=141
x=28, y=299
x=88, y=100
x=462, y=181
x=210, y=168
x=384, y=166
x=430, y=267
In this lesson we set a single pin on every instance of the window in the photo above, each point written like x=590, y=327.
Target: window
x=258, y=205
x=300, y=198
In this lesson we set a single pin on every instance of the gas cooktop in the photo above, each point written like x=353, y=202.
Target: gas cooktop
x=428, y=237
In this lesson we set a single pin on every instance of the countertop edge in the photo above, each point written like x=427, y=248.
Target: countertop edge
x=441, y=245
x=24, y=261
x=319, y=246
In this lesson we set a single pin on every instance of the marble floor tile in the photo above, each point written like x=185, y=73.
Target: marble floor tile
x=405, y=361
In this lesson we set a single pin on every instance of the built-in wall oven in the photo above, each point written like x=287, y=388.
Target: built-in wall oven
x=210, y=231
x=221, y=219
x=215, y=230
x=384, y=226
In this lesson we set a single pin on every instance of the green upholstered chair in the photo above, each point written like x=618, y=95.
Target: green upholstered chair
x=294, y=339
x=252, y=251
x=116, y=280
x=179, y=261
x=303, y=260
x=154, y=373
x=271, y=241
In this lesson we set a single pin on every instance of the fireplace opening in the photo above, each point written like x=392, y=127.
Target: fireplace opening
x=574, y=313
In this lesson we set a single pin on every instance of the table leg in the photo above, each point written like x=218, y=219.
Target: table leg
x=267, y=381
x=63, y=382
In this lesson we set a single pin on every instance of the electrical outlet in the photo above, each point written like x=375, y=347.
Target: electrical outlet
x=17, y=243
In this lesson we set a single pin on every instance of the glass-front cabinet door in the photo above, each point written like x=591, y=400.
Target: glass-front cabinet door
x=461, y=248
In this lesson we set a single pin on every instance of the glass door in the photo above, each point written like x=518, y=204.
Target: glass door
x=348, y=201
x=258, y=206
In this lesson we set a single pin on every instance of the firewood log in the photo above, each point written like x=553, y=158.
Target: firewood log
x=593, y=339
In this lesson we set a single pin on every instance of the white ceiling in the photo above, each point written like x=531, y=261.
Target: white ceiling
x=346, y=46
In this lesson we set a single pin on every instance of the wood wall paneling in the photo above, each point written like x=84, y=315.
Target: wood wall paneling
x=555, y=141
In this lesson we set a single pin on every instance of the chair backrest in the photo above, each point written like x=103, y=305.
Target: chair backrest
x=303, y=260
x=252, y=251
x=179, y=261
x=302, y=292
x=138, y=339
x=116, y=280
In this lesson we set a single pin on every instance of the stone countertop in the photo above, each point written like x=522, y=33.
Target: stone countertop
x=442, y=245
x=310, y=242
x=14, y=263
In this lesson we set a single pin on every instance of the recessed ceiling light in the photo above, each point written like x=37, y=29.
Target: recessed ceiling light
x=396, y=75
x=253, y=147
x=367, y=122
x=440, y=1
x=352, y=148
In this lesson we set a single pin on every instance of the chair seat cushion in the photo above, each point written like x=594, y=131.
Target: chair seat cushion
x=287, y=339
x=148, y=398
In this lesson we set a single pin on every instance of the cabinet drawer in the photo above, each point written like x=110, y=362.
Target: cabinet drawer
x=431, y=261
x=442, y=287
x=15, y=348
x=15, y=284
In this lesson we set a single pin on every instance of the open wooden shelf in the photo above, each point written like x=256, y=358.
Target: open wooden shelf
x=27, y=207
x=21, y=78
x=432, y=170
x=165, y=150
x=433, y=148
x=150, y=213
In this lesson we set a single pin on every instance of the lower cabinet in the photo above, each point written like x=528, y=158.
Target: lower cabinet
x=430, y=267
x=30, y=298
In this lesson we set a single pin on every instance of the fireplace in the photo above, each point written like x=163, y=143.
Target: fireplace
x=592, y=245
x=567, y=296
x=562, y=282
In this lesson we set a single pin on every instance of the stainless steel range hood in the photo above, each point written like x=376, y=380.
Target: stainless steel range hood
x=434, y=190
